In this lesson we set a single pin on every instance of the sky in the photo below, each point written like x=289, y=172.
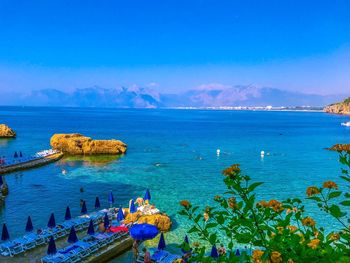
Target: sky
x=175, y=45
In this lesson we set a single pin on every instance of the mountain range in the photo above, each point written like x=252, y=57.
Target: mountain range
x=212, y=95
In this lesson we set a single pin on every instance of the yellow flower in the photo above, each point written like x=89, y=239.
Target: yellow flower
x=206, y=216
x=276, y=257
x=196, y=244
x=308, y=221
x=314, y=243
x=302, y=237
x=257, y=254
x=292, y=229
x=290, y=261
x=312, y=190
x=334, y=236
x=185, y=203
x=280, y=229
x=330, y=185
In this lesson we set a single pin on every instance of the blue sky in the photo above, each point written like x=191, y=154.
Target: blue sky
x=175, y=45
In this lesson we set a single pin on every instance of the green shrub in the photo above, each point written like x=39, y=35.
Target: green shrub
x=279, y=231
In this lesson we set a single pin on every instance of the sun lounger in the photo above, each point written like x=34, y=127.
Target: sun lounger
x=57, y=258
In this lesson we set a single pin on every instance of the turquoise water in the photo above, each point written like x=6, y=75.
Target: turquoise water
x=172, y=152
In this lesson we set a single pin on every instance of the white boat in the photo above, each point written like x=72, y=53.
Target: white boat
x=346, y=124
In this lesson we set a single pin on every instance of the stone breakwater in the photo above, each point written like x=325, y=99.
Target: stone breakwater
x=339, y=108
x=78, y=144
x=6, y=131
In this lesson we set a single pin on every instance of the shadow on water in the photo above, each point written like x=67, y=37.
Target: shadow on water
x=88, y=160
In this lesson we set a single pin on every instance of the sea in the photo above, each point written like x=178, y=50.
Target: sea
x=172, y=152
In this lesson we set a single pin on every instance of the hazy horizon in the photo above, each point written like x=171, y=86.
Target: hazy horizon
x=175, y=46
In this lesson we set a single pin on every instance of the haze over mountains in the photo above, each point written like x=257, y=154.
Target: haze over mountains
x=212, y=95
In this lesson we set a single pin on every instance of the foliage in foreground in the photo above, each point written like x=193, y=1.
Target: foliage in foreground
x=280, y=231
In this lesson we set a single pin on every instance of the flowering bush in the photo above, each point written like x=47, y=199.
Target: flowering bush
x=279, y=231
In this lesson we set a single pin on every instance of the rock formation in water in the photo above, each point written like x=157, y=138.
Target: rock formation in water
x=161, y=221
x=6, y=131
x=339, y=108
x=78, y=144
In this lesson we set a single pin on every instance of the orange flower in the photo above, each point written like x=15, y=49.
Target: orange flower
x=290, y=261
x=308, y=221
x=232, y=171
x=185, y=204
x=262, y=203
x=217, y=198
x=340, y=147
x=232, y=203
x=334, y=236
x=312, y=190
x=292, y=229
x=314, y=243
x=330, y=185
x=257, y=254
x=276, y=257
x=275, y=205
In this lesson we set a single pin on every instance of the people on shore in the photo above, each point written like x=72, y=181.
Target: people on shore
x=135, y=250
x=147, y=256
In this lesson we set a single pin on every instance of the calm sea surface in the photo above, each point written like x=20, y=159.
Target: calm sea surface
x=172, y=152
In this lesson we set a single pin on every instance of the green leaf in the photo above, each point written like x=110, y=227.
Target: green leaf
x=252, y=187
x=193, y=230
x=211, y=225
x=345, y=203
x=334, y=194
x=336, y=212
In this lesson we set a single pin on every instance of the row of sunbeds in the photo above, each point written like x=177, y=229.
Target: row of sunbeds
x=83, y=248
x=32, y=240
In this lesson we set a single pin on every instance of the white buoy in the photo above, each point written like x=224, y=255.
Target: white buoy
x=218, y=152
x=262, y=153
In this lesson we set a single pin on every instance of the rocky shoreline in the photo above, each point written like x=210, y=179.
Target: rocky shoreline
x=78, y=144
x=339, y=108
x=6, y=132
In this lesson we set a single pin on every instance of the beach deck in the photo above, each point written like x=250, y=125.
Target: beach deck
x=24, y=165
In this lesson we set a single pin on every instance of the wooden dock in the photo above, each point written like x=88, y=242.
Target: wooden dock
x=31, y=163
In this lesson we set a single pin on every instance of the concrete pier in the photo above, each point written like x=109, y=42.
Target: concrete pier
x=31, y=163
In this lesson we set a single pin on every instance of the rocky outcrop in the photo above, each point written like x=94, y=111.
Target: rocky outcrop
x=339, y=108
x=161, y=221
x=6, y=131
x=78, y=144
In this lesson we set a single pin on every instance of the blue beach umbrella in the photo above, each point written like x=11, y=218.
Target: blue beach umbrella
x=68, y=215
x=187, y=245
x=110, y=198
x=120, y=215
x=106, y=221
x=72, y=238
x=29, y=225
x=1, y=180
x=161, y=244
x=20, y=154
x=91, y=229
x=97, y=203
x=214, y=252
x=143, y=232
x=83, y=208
x=51, y=249
x=15, y=155
x=238, y=253
x=52, y=221
x=132, y=207
x=5, y=233
x=147, y=195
